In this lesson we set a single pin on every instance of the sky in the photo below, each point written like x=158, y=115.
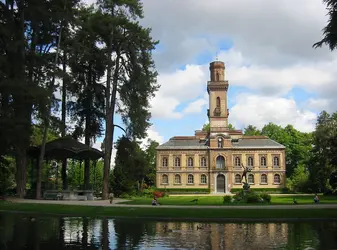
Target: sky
x=274, y=73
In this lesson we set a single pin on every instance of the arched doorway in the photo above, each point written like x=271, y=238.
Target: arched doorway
x=220, y=183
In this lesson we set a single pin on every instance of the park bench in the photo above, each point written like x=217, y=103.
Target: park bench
x=52, y=195
x=82, y=197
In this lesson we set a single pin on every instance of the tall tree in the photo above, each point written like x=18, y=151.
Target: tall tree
x=150, y=155
x=87, y=63
x=329, y=31
x=130, y=167
x=251, y=130
x=323, y=160
x=130, y=72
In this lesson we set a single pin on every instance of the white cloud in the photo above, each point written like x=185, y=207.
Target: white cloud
x=267, y=33
x=272, y=54
x=260, y=110
x=176, y=88
x=195, y=107
x=152, y=134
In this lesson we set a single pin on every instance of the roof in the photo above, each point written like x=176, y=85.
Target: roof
x=184, y=142
x=257, y=143
x=246, y=142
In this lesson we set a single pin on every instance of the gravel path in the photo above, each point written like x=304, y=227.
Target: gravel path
x=105, y=203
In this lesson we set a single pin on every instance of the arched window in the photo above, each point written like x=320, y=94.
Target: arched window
x=263, y=162
x=276, y=161
x=251, y=179
x=237, y=161
x=250, y=161
x=203, y=179
x=190, y=179
x=218, y=103
x=277, y=179
x=177, y=162
x=220, y=142
x=190, y=162
x=165, y=179
x=165, y=162
x=217, y=76
x=237, y=178
x=177, y=179
x=264, y=179
x=220, y=162
x=203, y=162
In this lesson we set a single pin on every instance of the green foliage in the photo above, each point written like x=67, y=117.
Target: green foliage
x=7, y=178
x=329, y=31
x=251, y=197
x=150, y=156
x=266, y=197
x=185, y=190
x=323, y=160
x=206, y=127
x=227, y=199
x=130, y=166
x=298, y=145
x=298, y=182
x=251, y=130
x=261, y=190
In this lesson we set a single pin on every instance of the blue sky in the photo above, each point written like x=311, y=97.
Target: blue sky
x=274, y=73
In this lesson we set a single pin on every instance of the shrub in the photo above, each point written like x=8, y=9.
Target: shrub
x=158, y=194
x=266, y=197
x=227, y=199
x=253, y=197
x=148, y=193
x=239, y=196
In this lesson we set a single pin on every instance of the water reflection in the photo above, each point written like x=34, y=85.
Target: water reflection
x=24, y=232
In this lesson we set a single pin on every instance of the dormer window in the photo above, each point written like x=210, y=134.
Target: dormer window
x=220, y=142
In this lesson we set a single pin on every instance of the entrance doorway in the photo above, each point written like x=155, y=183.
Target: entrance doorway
x=220, y=183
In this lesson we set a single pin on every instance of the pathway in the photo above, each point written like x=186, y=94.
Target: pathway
x=105, y=203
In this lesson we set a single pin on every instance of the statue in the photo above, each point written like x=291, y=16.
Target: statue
x=246, y=186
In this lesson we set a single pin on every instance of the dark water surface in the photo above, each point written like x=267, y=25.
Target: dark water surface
x=26, y=232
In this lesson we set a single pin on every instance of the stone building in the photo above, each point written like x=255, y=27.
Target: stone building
x=213, y=159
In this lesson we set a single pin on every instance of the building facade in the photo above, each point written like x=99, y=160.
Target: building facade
x=212, y=159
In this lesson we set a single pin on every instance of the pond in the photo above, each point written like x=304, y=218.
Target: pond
x=27, y=232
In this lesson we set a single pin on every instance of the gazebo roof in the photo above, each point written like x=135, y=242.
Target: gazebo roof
x=64, y=148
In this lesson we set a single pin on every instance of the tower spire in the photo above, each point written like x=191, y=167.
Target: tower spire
x=216, y=56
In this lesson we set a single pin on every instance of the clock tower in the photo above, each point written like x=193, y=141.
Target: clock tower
x=217, y=89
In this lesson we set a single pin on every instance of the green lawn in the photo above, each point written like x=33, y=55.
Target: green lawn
x=167, y=213
x=218, y=200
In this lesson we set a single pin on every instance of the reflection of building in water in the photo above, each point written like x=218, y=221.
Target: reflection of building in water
x=223, y=236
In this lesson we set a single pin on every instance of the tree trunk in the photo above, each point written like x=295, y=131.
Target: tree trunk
x=87, y=161
x=23, y=113
x=109, y=128
x=64, y=114
x=21, y=171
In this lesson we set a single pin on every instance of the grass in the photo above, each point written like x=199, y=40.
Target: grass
x=218, y=200
x=168, y=213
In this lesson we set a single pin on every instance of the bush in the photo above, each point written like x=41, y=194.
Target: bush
x=252, y=197
x=239, y=196
x=266, y=197
x=158, y=194
x=227, y=199
x=148, y=193
x=185, y=190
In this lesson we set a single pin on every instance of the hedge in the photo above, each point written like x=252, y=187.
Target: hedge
x=262, y=190
x=185, y=190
